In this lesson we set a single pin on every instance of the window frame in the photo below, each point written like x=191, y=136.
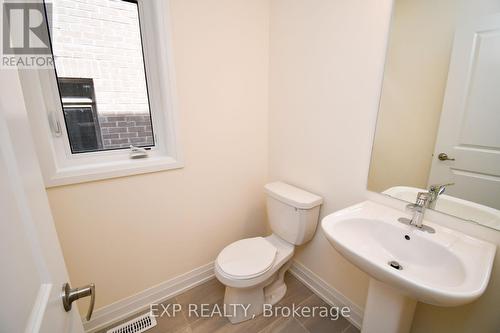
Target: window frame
x=59, y=165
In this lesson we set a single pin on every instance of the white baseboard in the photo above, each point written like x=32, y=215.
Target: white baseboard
x=117, y=311
x=122, y=309
x=329, y=294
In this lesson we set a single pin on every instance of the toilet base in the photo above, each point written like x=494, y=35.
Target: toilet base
x=270, y=292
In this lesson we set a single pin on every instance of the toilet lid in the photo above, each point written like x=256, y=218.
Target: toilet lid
x=247, y=258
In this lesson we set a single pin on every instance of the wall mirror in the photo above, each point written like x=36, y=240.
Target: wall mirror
x=439, y=113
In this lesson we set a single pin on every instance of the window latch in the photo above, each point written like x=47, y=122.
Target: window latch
x=138, y=152
x=55, y=126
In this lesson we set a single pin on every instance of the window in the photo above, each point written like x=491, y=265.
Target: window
x=102, y=41
x=111, y=91
x=80, y=114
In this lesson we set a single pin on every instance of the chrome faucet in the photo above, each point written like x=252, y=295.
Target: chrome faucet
x=418, y=208
x=435, y=191
x=424, y=200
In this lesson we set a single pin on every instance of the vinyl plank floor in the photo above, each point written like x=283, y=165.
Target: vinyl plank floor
x=193, y=319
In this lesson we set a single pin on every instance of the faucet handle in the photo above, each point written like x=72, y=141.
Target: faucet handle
x=411, y=207
x=439, y=189
x=422, y=198
x=420, y=203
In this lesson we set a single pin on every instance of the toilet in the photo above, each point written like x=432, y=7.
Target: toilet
x=253, y=269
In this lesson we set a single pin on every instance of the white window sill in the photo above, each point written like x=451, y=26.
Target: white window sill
x=114, y=169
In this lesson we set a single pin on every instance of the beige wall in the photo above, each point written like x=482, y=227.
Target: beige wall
x=128, y=234
x=414, y=84
x=326, y=59
x=325, y=74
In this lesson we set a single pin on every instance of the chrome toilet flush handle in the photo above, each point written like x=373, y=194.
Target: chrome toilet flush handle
x=70, y=295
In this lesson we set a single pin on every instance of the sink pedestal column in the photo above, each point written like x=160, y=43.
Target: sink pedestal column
x=387, y=310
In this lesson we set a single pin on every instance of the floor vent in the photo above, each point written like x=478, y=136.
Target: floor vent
x=136, y=325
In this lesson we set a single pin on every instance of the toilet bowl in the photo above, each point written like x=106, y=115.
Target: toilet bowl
x=253, y=269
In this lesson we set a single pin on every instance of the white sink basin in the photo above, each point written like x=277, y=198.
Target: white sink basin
x=444, y=268
x=464, y=209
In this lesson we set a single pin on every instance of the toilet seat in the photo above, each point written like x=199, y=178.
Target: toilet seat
x=247, y=258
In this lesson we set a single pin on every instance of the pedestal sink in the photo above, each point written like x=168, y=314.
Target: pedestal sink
x=406, y=265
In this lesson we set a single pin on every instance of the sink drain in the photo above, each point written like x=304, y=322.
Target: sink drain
x=396, y=265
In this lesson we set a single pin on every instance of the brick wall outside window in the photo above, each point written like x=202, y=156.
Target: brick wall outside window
x=100, y=39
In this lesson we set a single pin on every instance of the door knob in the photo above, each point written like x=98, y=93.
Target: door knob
x=70, y=295
x=444, y=157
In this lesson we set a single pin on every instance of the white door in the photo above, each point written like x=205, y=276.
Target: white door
x=32, y=266
x=469, y=131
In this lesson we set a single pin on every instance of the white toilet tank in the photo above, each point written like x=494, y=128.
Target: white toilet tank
x=292, y=212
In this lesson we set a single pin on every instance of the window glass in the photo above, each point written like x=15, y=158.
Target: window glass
x=79, y=109
x=99, y=65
